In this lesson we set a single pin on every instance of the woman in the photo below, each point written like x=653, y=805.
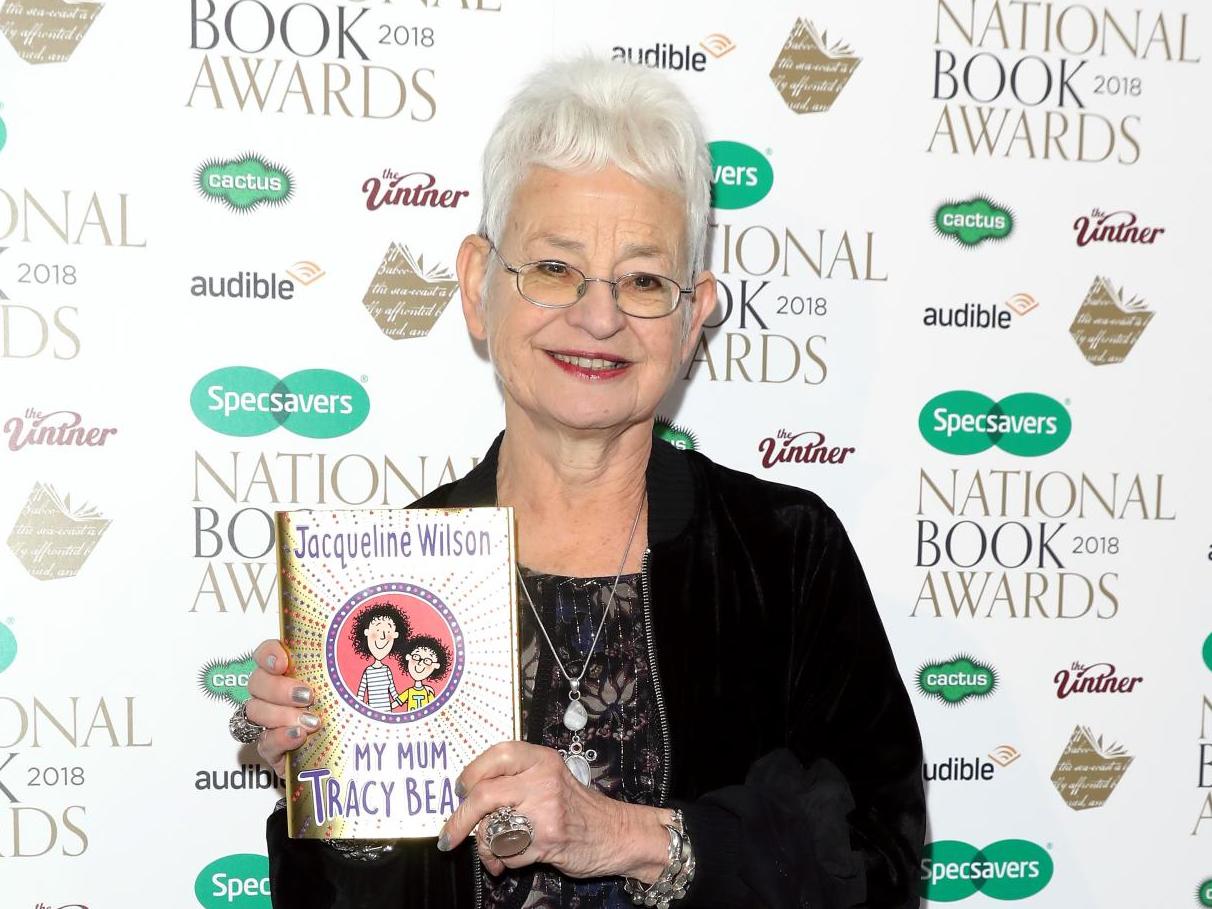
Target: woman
x=746, y=737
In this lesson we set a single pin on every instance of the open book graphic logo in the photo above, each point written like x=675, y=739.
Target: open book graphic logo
x=1107, y=326
x=406, y=298
x=46, y=31
x=810, y=73
x=53, y=539
x=1089, y=769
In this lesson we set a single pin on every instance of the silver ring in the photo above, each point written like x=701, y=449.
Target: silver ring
x=242, y=728
x=508, y=832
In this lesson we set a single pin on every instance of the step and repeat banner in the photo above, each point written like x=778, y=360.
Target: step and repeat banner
x=962, y=254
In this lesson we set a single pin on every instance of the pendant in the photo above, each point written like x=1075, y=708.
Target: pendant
x=575, y=716
x=577, y=758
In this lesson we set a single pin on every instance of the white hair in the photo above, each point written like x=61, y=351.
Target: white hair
x=588, y=113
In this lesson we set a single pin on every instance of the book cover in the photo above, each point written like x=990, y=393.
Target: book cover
x=404, y=624
x=1089, y=769
x=52, y=537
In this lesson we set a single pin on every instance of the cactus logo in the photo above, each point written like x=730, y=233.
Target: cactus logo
x=1208, y=651
x=244, y=183
x=239, y=881
x=8, y=647
x=1203, y=896
x=246, y=401
x=974, y=221
x=227, y=680
x=967, y=422
x=677, y=436
x=1005, y=870
x=740, y=175
x=957, y=680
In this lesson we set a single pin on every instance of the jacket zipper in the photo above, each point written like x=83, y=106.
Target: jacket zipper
x=479, y=875
x=662, y=719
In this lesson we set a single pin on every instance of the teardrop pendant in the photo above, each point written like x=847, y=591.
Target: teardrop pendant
x=575, y=716
x=578, y=767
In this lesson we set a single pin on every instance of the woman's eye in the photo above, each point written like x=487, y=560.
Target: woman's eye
x=553, y=269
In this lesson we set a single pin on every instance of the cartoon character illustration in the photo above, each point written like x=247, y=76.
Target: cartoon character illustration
x=378, y=632
x=425, y=657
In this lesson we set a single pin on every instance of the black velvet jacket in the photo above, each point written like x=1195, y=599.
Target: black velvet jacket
x=794, y=753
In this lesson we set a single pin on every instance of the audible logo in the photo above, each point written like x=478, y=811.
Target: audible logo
x=239, y=881
x=967, y=422
x=974, y=221
x=1005, y=870
x=955, y=681
x=740, y=175
x=246, y=401
x=244, y=183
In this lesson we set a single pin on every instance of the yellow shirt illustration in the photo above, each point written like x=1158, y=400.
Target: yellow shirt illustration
x=415, y=698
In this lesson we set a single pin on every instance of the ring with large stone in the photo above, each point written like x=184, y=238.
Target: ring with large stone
x=242, y=728
x=508, y=833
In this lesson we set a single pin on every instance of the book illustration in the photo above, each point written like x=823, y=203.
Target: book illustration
x=1089, y=769
x=809, y=72
x=51, y=537
x=395, y=649
x=46, y=31
x=405, y=297
x=403, y=622
x=1107, y=326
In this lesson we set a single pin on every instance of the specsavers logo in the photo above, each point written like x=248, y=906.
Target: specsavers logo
x=957, y=680
x=8, y=647
x=1006, y=870
x=246, y=401
x=740, y=175
x=967, y=422
x=972, y=222
x=238, y=881
x=244, y=183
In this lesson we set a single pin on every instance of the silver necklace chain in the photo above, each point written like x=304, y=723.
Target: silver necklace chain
x=576, y=757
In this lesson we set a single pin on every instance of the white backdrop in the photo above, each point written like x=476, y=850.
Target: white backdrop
x=118, y=784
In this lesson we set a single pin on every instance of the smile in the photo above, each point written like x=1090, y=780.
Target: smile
x=596, y=367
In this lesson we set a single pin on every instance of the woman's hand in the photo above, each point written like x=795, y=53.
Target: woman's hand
x=277, y=702
x=579, y=831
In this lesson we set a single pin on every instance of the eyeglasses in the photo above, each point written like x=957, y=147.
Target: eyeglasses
x=553, y=284
x=420, y=660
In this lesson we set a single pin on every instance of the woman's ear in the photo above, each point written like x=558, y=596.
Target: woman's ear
x=703, y=304
x=472, y=265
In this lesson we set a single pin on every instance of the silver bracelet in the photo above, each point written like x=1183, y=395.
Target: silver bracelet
x=679, y=871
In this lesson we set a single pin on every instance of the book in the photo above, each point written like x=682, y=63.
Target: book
x=809, y=72
x=1089, y=769
x=403, y=622
x=1108, y=325
x=405, y=297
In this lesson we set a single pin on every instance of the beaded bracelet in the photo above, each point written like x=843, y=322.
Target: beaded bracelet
x=679, y=871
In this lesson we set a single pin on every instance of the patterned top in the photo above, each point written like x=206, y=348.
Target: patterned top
x=378, y=688
x=618, y=695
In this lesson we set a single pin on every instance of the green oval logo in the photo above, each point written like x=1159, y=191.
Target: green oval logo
x=239, y=881
x=244, y=183
x=956, y=680
x=8, y=647
x=1005, y=870
x=1203, y=895
x=973, y=221
x=227, y=680
x=246, y=401
x=1208, y=651
x=679, y=437
x=1026, y=424
x=740, y=175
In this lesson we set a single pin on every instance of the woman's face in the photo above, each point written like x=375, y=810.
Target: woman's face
x=381, y=636
x=588, y=366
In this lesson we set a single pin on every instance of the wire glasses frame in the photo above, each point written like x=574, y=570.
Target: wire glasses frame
x=639, y=293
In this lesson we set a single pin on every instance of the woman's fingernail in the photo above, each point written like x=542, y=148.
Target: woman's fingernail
x=444, y=842
x=294, y=732
x=301, y=695
x=271, y=661
x=460, y=792
x=310, y=720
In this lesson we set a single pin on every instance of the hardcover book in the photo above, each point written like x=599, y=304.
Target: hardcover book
x=404, y=624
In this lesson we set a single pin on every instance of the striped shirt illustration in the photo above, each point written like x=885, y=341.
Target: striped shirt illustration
x=378, y=688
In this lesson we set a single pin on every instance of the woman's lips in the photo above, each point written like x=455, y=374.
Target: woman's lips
x=588, y=365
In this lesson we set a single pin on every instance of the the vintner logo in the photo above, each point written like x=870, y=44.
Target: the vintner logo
x=956, y=680
x=1006, y=870
x=1027, y=424
x=244, y=183
x=1097, y=678
x=972, y=222
x=740, y=175
x=247, y=401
